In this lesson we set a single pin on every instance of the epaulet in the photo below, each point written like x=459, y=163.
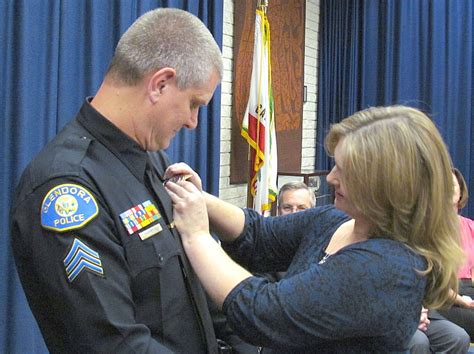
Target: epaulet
x=62, y=159
x=57, y=159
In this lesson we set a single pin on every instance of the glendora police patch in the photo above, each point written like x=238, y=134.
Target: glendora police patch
x=67, y=207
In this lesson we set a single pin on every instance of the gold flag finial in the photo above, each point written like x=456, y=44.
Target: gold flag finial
x=262, y=5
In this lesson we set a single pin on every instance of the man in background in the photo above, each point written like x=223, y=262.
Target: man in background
x=294, y=197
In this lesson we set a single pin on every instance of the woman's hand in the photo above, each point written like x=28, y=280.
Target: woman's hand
x=424, y=320
x=217, y=272
x=190, y=212
x=226, y=219
x=183, y=169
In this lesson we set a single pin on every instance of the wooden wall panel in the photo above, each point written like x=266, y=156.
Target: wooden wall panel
x=287, y=28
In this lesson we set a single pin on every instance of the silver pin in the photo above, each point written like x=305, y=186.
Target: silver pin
x=177, y=178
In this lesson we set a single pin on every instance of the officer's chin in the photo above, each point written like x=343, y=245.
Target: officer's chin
x=159, y=146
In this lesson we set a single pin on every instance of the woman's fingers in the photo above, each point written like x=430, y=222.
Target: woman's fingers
x=185, y=172
x=190, y=212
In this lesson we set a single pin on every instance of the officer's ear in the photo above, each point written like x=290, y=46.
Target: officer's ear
x=159, y=82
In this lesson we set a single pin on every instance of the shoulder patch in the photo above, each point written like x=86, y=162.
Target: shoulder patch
x=67, y=207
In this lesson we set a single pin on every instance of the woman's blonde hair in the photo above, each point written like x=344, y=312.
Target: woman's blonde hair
x=397, y=171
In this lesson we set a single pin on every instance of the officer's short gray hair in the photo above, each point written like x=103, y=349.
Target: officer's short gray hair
x=166, y=37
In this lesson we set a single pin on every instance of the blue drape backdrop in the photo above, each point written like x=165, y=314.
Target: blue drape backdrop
x=413, y=52
x=54, y=53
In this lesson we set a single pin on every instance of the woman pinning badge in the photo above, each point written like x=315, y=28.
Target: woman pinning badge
x=357, y=272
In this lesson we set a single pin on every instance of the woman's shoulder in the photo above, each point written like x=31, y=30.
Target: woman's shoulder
x=385, y=243
x=392, y=255
x=329, y=212
x=386, y=264
x=320, y=220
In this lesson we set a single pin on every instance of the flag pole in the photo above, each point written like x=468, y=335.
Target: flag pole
x=249, y=178
x=262, y=5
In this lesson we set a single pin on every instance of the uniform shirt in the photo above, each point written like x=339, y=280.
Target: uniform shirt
x=365, y=298
x=102, y=268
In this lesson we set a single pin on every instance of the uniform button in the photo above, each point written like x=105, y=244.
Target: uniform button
x=160, y=258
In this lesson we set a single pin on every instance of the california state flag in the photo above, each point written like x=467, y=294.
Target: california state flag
x=258, y=125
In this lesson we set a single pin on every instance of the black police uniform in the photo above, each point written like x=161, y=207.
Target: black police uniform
x=102, y=267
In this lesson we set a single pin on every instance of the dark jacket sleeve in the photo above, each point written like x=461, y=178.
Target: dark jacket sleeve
x=269, y=244
x=93, y=312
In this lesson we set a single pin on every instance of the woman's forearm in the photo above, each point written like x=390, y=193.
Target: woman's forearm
x=460, y=301
x=192, y=211
x=226, y=219
x=216, y=271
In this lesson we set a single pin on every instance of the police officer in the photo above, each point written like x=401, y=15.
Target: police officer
x=101, y=264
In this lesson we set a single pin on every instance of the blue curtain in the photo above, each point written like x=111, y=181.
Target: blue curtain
x=54, y=53
x=413, y=52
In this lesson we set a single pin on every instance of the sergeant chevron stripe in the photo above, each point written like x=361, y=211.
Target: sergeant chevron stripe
x=81, y=257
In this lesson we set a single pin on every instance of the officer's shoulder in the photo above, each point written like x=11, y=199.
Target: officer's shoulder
x=61, y=157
